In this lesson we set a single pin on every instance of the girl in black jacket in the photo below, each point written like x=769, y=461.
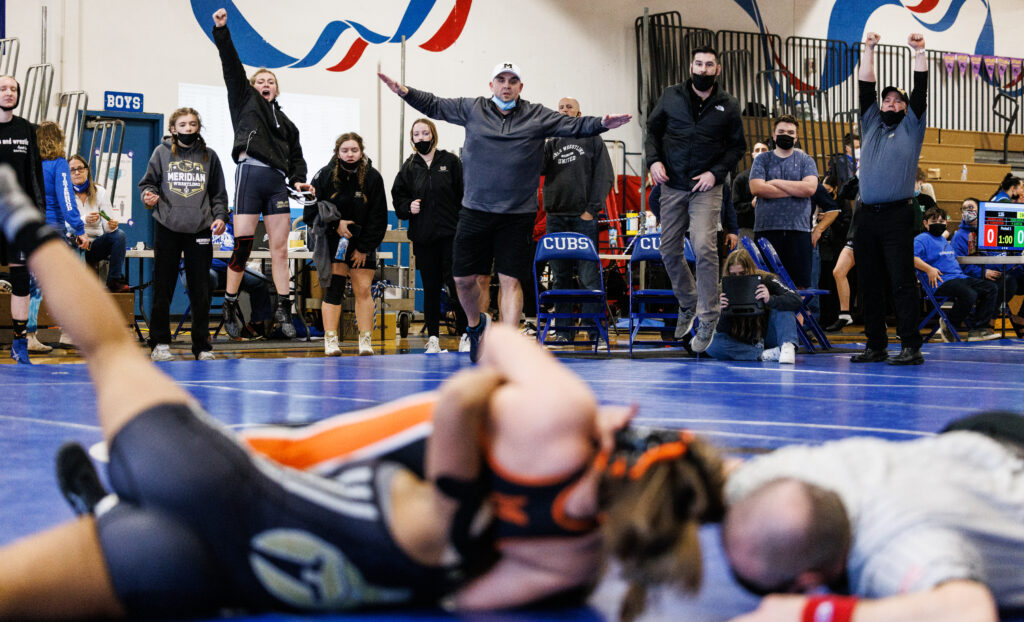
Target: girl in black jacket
x=428, y=193
x=350, y=182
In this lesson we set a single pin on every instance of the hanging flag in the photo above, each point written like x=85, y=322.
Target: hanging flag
x=1014, y=70
x=1004, y=64
x=990, y=68
x=949, y=60
x=963, y=60
x=976, y=65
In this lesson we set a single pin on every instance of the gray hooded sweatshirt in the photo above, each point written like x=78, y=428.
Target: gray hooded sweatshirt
x=190, y=186
x=503, y=154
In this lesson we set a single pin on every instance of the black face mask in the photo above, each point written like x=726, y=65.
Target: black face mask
x=785, y=142
x=423, y=146
x=893, y=117
x=703, y=82
x=187, y=139
x=937, y=229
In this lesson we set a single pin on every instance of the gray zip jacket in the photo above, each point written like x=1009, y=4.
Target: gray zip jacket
x=190, y=187
x=503, y=154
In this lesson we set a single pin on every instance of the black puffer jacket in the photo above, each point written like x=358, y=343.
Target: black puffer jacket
x=439, y=189
x=688, y=146
x=369, y=212
x=261, y=129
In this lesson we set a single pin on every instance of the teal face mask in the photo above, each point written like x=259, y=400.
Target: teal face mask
x=504, y=105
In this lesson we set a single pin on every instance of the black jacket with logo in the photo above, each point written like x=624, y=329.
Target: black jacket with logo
x=439, y=189
x=688, y=146
x=367, y=206
x=261, y=128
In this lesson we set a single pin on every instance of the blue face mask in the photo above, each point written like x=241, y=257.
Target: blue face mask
x=80, y=188
x=917, y=192
x=504, y=105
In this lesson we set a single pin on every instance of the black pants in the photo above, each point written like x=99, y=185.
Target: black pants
x=884, y=245
x=972, y=296
x=794, y=249
x=168, y=248
x=434, y=262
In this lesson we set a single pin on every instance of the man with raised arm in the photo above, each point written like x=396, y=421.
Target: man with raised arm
x=502, y=161
x=892, y=133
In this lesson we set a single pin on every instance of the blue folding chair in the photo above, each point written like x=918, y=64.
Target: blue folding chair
x=774, y=264
x=936, y=303
x=754, y=253
x=570, y=247
x=646, y=249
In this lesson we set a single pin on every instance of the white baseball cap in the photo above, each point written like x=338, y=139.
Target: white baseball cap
x=501, y=68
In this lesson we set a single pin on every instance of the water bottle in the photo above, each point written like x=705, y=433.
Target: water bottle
x=613, y=238
x=342, y=249
x=963, y=173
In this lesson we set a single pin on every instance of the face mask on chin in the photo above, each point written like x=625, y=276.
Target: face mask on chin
x=703, y=82
x=893, y=117
x=504, y=105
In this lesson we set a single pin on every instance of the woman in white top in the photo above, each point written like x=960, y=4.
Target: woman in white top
x=106, y=240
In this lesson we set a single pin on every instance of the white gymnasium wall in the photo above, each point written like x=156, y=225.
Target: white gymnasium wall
x=583, y=48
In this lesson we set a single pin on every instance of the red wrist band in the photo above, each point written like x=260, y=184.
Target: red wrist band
x=829, y=609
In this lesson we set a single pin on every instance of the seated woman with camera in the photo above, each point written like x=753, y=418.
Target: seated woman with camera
x=758, y=321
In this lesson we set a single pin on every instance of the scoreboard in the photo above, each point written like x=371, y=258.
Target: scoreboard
x=1001, y=226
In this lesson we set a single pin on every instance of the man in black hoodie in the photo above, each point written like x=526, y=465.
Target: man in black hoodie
x=578, y=175
x=694, y=140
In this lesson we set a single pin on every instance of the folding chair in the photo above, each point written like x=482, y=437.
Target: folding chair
x=646, y=249
x=571, y=247
x=774, y=264
x=216, y=302
x=936, y=303
x=754, y=253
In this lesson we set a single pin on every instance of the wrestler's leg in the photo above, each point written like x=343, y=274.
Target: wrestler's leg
x=58, y=573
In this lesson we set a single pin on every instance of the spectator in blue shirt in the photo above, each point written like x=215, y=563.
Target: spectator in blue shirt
x=934, y=256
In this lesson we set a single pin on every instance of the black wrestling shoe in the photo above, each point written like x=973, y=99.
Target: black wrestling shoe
x=78, y=480
x=232, y=318
x=283, y=316
x=909, y=355
x=870, y=355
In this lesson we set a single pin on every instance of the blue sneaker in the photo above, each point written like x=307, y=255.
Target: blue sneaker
x=476, y=335
x=19, y=351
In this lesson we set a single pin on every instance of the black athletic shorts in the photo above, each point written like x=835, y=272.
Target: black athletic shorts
x=202, y=524
x=332, y=242
x=260, y=190
x=483, y=237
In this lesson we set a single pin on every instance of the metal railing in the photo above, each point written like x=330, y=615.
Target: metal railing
x=105, y=151
x=9, y=50
x=71, y=109
x=35, y=92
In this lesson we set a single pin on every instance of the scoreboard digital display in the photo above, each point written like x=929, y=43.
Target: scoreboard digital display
x=1001, y=226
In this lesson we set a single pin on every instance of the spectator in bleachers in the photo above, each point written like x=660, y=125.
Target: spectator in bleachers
x=934, y=256
x=428, y=193
x=106, y=240
x=922, y=201
x=965, y=243
x=742, y=200
x=767, y=336
x=19, y=149
x=578, y=176
x=1011, y=190
x=184, y=186
x=784, y=180
x=356, y=192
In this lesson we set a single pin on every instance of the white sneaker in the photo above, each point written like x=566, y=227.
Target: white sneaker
x=464, y=343
x=162, y=352
x=65, y=340
x=771, y=354
x=365, y=344
x=206, y=355
x=34, y=345
x=787, y=354
x=331, y=345
x=433, y=347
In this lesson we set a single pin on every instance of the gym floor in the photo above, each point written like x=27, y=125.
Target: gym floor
x=745, y=408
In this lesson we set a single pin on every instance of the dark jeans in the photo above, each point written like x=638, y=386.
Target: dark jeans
x=562, y=270
x=109, y=246
x=884, y=244
x=434, y=262
x=168, y=248
x=970, y=295
x=794, y=249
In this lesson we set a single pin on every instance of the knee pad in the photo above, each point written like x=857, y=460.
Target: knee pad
x=239, y=257
x=20, y=281
x=335, y=290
